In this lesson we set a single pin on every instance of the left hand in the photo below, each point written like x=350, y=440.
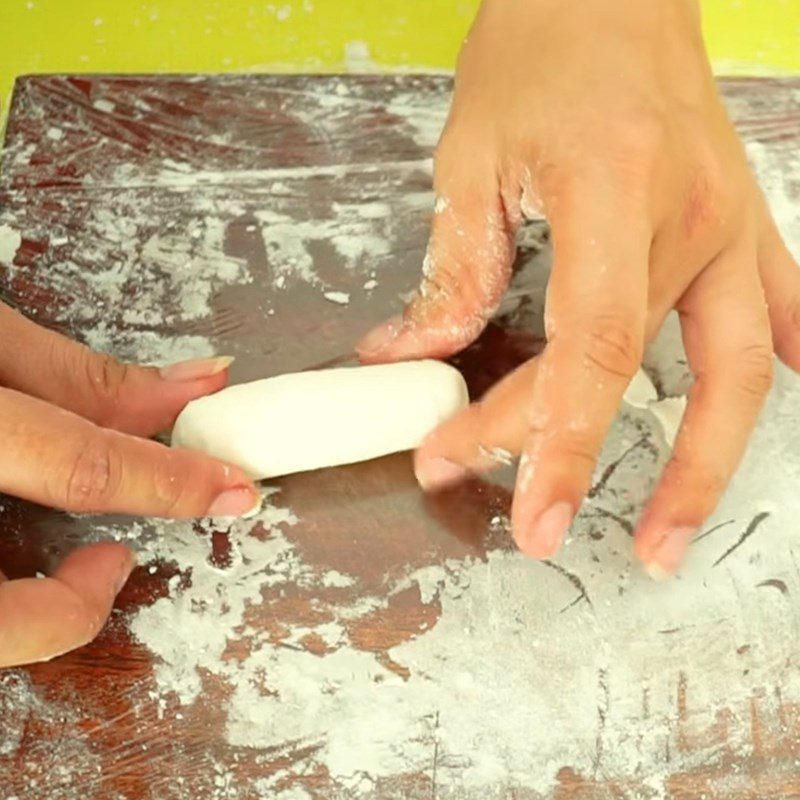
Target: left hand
x=73, y=425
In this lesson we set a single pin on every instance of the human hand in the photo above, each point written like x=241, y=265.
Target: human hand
x=70, y=422
x=607, y=120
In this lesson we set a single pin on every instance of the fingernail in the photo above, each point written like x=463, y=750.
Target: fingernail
x=124, y=573
x=382, y=336
x=667, y=557
x=251, y=512
x=195, y=368
x=549, y=530
x=234, y=503
x=656, y=573
x=438, y=473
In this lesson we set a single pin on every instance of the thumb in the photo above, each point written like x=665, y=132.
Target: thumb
x=466, y=268
x=43, y=618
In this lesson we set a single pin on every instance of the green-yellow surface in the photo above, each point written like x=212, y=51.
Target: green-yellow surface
x=242, y=35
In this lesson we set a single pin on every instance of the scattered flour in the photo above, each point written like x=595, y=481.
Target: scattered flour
x=640, y=392
x=668, y=411
x=10, y=241
x=105, y=106
x=424, y=119
x=527, y=668
x=50, y=768
x=336, y=579
x=342, y=298
x=781, y=187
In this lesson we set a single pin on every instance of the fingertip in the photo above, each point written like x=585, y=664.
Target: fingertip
x=177, y=391
x=195, y=369
x=663, y=553
x=96, y=574
x=111, y=562
x=657, y=573
x=375, y=344
x=435, y=473
x=541, y=535
x=242, y=501
x=400, y=338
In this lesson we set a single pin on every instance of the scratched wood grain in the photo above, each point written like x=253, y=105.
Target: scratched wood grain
x=232, y=129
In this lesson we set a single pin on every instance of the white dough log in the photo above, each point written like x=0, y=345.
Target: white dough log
x=308, y=420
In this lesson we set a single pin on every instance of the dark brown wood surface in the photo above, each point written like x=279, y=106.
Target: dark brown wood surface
x=91, y=710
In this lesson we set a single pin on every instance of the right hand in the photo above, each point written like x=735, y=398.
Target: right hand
x=608, y=121
x=71, y=424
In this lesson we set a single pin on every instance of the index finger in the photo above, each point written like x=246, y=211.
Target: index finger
x=43, y=618
x=57, y=458
x=595, y=324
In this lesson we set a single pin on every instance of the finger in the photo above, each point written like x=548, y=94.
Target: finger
x=56, y=458
x=466, y=269
x=137, y=400
x=483, y=437
x=727, y=337
x=41, y=618
x=780, y=277
x=595, y=323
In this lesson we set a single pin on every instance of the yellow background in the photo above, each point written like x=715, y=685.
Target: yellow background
x=242, y=35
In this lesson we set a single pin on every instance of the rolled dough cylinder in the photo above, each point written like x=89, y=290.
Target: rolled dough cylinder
x=308, y=420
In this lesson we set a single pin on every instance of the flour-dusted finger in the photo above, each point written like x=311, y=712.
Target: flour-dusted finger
x=727, y=337
x=595, y=323
x=41, y=618
x=466, y=269
x=129, y=398
x=56, y=458
x=484, y=436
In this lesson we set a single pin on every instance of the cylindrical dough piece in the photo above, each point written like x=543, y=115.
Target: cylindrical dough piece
x=308, y=420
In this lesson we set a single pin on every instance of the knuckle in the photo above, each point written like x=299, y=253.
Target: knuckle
x=704, y=207
x=449, y=295
x=567, y=442
x=613, y=347
x=578, y=448
x=107, y=378
x=92, y=477
x=756, y=372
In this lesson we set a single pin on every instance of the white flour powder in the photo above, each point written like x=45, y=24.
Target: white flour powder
x=10, y=241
